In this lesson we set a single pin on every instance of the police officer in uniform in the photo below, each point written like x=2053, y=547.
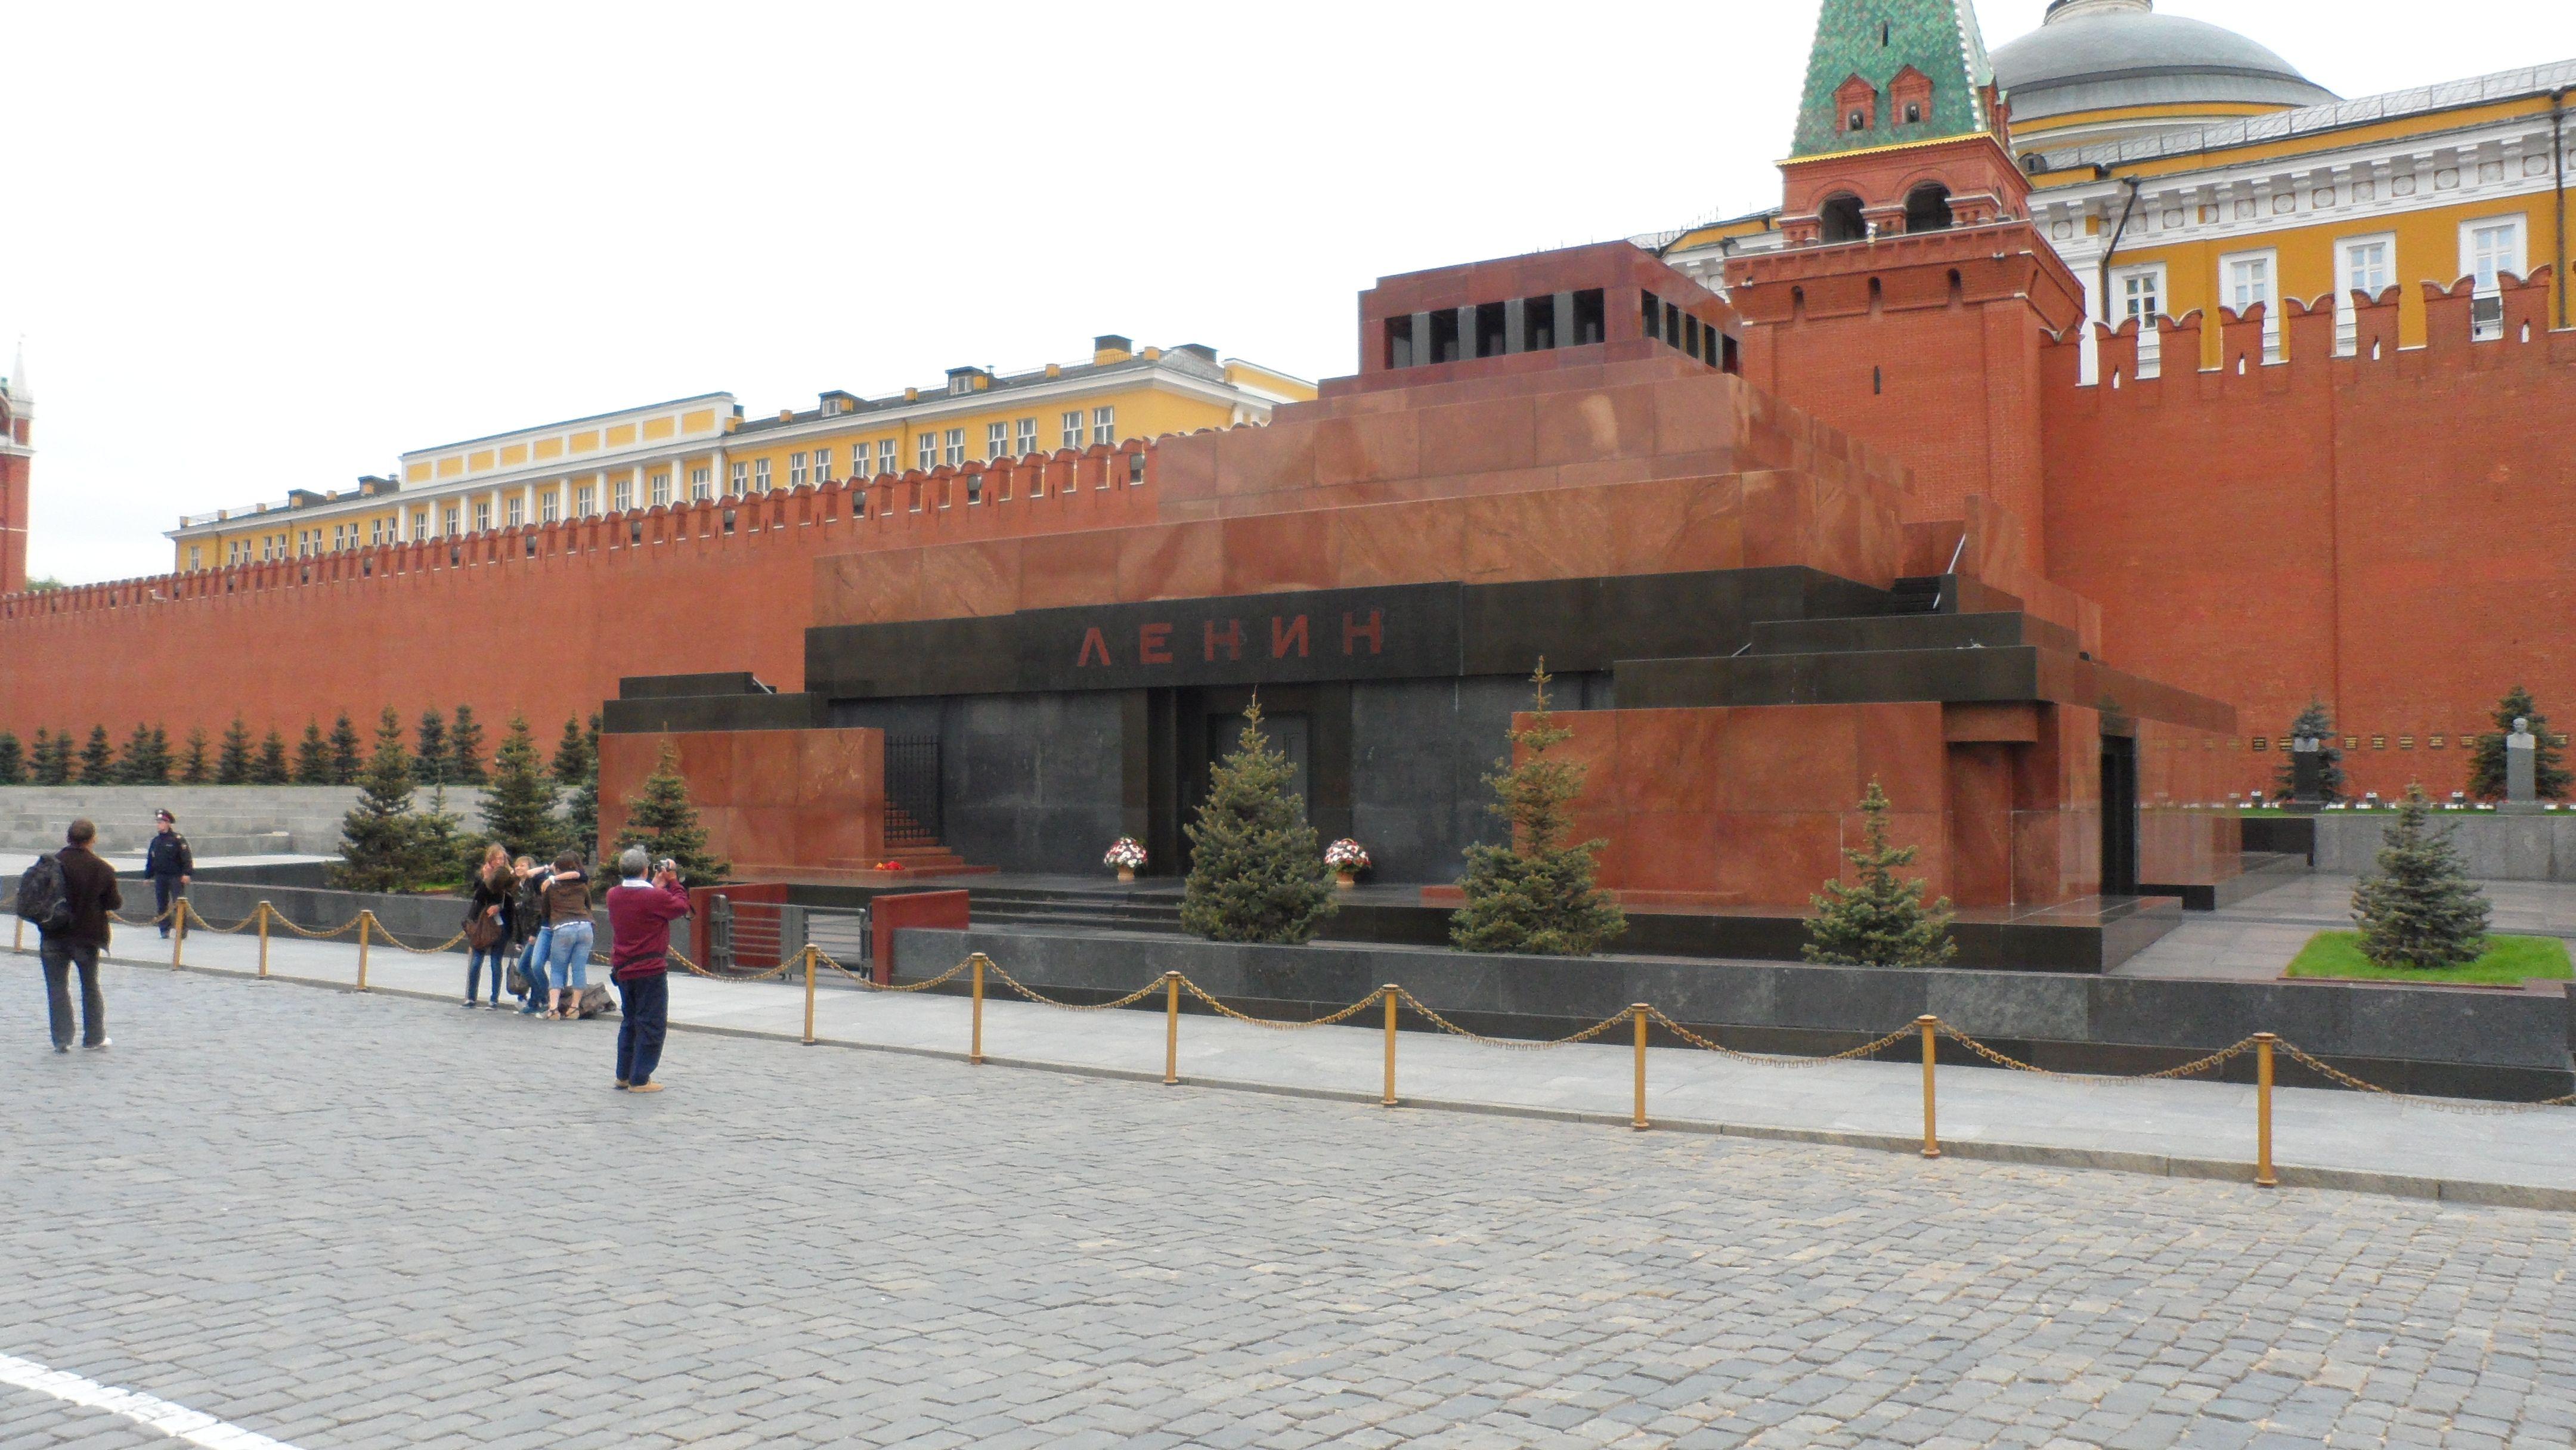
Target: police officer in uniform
x=169, y=863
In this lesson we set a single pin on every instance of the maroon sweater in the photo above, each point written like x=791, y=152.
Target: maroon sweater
x=639, y=927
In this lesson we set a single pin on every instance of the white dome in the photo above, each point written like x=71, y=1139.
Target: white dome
x=2097, y=54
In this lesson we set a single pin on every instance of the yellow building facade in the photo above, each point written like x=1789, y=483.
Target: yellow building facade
x=704, y=447
x=2178, y=167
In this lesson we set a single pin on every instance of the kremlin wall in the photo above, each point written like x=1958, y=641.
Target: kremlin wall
x=2382, y=524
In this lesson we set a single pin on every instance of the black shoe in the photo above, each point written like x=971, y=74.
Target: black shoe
x=62, y=1047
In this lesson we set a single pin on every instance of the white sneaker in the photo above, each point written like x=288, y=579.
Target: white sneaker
x=99, y=1046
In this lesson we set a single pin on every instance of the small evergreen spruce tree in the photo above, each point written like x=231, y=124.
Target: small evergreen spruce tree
x=13, y=760
x=134, y=760
x=162, y=761
x=430, y=757
x=573, y=753
x=98, y=759
x=1536, y=894
x=2550, y=777
x=2315, y=720
x=271, y=768
x=380, y=837
x=465, y=749
x=442, y=854
x=1881, y=921
x=52, y=758
x=519, y=811
x=581, y=810
x=1257, y=870
x=196, y=765
x=662, y=821
x=2420, y=910
x=346, y=762
x=312, y=756
x=232, y=764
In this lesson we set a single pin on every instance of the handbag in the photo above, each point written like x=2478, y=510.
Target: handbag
x=518, y=981
x=482, y=933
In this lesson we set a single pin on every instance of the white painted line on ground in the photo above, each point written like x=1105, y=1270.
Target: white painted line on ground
x=177, y=1421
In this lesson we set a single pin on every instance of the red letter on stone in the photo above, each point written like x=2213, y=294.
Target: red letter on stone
x=1153, y=644
x=1091, y=641
x=1232, y=639
x=1374, y=632
x=1280, y=638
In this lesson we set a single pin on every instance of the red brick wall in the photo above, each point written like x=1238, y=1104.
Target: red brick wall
x=2392, y=536
x=13, y=524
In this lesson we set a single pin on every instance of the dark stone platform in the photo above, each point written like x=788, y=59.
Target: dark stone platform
x=2452, y=1042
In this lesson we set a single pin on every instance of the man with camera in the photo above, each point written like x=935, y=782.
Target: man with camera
x=640, y=913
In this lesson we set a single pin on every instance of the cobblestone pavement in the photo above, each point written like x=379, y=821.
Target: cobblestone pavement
x=345, y=1221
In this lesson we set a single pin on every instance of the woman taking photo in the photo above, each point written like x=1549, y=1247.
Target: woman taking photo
x=489, y=920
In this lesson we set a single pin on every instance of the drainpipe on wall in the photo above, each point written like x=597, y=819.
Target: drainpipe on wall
x=2558, y=191
x=2113, y=250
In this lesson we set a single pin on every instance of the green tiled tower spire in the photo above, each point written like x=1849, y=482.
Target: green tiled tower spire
x=1877, y=39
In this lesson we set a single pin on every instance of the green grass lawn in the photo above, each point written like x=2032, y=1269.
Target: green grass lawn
x=2509, y=961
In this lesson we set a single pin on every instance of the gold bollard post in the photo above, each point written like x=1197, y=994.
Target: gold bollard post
x=975, y=1050
x=809, y=994
x=1171, y=1028
x=18, y=938
x=366, y=919
x=178, y=931
x=1387, y=1099
x=1638, y=1121
x=2263, y=1110
x=1931, y=1140
x=263, y=938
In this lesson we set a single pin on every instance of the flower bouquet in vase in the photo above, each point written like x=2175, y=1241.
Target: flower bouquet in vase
x=1127, y=856
x=1347, y=858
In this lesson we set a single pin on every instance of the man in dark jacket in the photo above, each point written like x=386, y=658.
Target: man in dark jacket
x=89, y=888
x=640, y=914
x=169, y=863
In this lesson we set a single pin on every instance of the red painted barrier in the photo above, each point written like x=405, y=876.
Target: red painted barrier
x=910, y=908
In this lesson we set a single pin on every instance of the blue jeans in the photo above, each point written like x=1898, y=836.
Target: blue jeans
x=496, y=954
x=643, y=1015
x=532, y=967
x=568, y=957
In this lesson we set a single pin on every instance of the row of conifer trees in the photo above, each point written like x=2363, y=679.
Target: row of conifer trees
x=442, y=750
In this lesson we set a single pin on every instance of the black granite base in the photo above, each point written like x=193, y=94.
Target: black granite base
x=2505, y=1046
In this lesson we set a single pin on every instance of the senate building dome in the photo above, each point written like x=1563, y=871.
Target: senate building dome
x=2105, y=70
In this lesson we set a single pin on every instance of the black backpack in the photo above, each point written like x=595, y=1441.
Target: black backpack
x=44, y=897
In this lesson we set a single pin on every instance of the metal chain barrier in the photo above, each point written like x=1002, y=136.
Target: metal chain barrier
x=1506, y=1043
x=385, y=933
x=924, y=985
x=1866, y=1049
x=2444, y=1105
x=205, y=925
x=279, y=918
x=1139, y=995
x=1222, y=1010
x=2016, y=1064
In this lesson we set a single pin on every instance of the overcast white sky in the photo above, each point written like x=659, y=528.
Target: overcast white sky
x=259, y=247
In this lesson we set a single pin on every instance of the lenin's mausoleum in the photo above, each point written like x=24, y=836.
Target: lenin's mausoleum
x=2079, y=415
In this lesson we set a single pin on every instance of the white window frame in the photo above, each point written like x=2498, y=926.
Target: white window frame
x=661, y=489
x=925, y=451
x=760, y=475
x=701, y=484
x=454, y=520
x=2488, y=294
x=997, y=440
x=622, y=494
x=2349, y=279
x=2126, y=296
x=2270, y=258
x=583, y=501
x=482, y=515
x=1104, y=425
x=1028, y=443
x=796, y=469
x=956, y=448
x=517, y=511
x=822, y=466
x=741, y=472
x=1072, y=422
x=889, y=451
